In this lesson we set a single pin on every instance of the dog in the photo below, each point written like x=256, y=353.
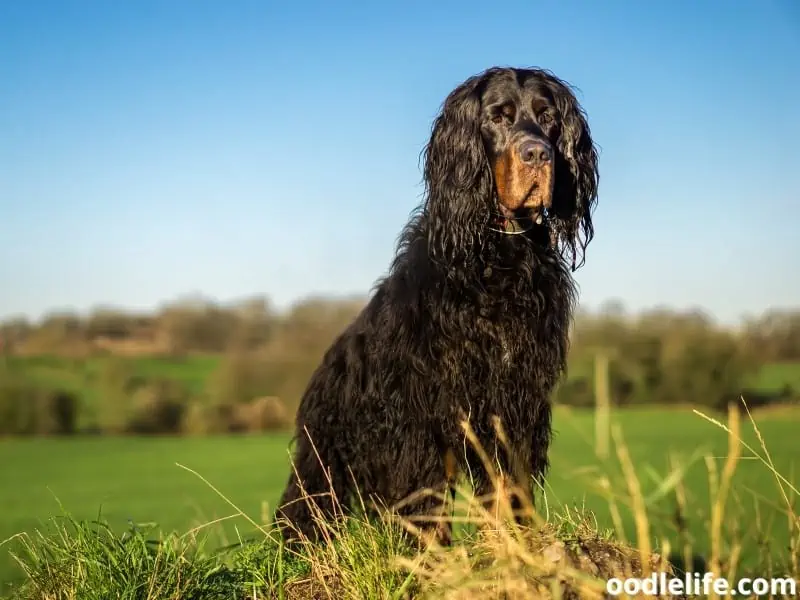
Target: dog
x=470, y=328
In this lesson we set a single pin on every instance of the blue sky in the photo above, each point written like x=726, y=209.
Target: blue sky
x=151, y=150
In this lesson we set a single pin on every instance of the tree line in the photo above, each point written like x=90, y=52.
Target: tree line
x=263, y=358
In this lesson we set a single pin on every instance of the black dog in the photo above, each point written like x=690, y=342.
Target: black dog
x=472, y=322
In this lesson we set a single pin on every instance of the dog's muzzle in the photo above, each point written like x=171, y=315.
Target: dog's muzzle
x=534, y=152
x=524, y=175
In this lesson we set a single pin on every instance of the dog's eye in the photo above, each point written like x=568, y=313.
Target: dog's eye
x=507, y=112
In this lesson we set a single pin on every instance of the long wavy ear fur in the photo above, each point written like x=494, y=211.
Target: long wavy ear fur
x=576, y=197
x=458, y=179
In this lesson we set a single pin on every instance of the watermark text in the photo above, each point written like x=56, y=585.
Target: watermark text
x=700, y=584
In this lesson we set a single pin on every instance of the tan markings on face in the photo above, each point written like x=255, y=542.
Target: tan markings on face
x=521, y=186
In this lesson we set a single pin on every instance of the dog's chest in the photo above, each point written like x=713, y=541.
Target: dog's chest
x=507, y=336
x=500, y=345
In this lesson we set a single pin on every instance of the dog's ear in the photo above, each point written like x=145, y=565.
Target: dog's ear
x=576, y=194
x=458, y=179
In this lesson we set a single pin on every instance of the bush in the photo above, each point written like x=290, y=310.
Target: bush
x=17, y=407
x=266, y=413
x=575, y=392
x=116, y=383
x=260, y=414
x=26, y=409
x=269, y=413
x=240, y=377
x=158, y=408
x=58, y=413
x=197, y=419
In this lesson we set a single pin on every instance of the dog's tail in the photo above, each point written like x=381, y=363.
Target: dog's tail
x=315, y=493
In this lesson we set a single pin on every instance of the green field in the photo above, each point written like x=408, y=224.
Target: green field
x=775, y=376
x=80, y=374
x=137, y=479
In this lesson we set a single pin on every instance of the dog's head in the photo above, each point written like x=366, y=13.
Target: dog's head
x=511, y=146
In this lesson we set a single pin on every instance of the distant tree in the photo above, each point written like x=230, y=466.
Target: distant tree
x=13, y=333
x=665, y=356
x=255, y=323
x=110, y=323
x=59, y=333
x=159, y=408
x=196, y=326
x=775, y=334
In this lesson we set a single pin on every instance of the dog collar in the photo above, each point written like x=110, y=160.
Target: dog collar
x=509, y=226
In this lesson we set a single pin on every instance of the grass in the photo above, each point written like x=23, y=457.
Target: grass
x=75, y=374
x=675, y=457
x=774, y=377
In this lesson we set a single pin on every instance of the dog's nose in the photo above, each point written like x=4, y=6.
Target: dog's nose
x=535, y=152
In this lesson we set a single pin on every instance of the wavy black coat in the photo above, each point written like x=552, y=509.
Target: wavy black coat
x=469, y=323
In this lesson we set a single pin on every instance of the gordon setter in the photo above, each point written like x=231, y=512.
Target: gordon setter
x=470, y=325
